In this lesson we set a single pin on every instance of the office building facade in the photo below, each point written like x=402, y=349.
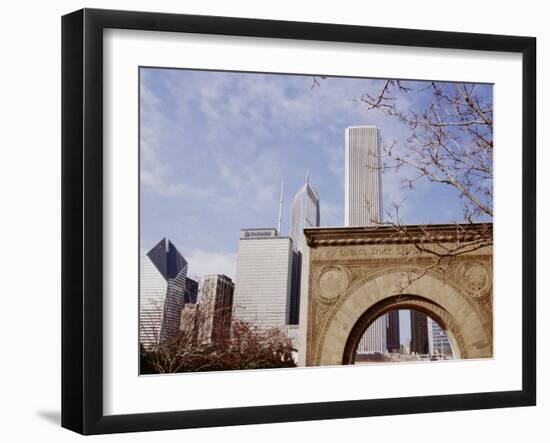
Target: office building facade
x=392, y=337
x=375, y=337
x=438, y=341
x=163, y=274
x=263, y=278
x=216, y=306
x=191, y=290
x=363, y=185
x=419, y=333
x=296, y=280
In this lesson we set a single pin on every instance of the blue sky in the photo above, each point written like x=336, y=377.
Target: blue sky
x=215, y=145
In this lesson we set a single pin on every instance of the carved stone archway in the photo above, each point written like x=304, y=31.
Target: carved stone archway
x=354, y=275
x=436, y=312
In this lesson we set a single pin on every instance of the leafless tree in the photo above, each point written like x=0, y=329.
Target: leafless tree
x=205, y=344
x=449, y=143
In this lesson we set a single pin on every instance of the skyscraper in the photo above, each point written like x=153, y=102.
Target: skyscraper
x=263, y=278
x=375, y=337
x=392, y=338
x=438, y=341
x=191, y=290
x=216, y=305
x=363, y=188
x=296, y=280
x=363, y=205
x=162, y=293
x=304, y=213
x=419, y=332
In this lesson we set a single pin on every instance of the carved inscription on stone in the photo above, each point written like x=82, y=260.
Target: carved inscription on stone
x=406, y=252
x=378, y=251
x=365, y=251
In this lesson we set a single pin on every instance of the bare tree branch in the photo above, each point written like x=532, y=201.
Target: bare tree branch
x=450, y=143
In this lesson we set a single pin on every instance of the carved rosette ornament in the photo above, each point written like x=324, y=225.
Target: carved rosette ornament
x=476, y=279
x=332, y=283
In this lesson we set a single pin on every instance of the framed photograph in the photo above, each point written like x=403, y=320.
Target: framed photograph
x=269, y=221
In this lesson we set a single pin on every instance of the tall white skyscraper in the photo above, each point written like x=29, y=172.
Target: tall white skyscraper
x=363, y=187
x=363, y=206
x=375, y=337
x=162, y=293
x=303, y=214
x=263, y=278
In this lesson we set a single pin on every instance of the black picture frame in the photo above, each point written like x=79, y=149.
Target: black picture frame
x=82, y=218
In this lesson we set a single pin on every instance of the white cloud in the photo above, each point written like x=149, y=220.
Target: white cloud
x=203, y=262
x=217, y=145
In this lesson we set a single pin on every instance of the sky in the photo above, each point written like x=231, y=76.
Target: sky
x=214, y=147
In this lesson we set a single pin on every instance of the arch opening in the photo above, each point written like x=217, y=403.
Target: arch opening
x=404, y=328
x=403, y=335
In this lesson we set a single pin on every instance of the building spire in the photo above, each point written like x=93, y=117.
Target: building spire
x=280, y=209
x=307, y=176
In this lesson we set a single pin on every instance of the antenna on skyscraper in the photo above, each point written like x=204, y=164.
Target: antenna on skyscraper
x=307, y=175
x=280, y=209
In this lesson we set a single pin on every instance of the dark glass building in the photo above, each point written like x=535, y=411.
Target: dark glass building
x=163, y=274
x=419, y=333
x=392, y=337
x=294, y=311
x=191, y=290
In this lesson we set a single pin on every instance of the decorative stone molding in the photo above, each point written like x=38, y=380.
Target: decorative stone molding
x=387, y=235
x=477, y=279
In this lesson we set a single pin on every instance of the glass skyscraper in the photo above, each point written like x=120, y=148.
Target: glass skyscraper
x=304, y=213
x=438, y=341
x=191, y=290
x=419, y=332
x=393, y=336
x=162, y=293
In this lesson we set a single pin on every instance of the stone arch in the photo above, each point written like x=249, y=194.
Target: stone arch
x=407, y=301
x=376, y=294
